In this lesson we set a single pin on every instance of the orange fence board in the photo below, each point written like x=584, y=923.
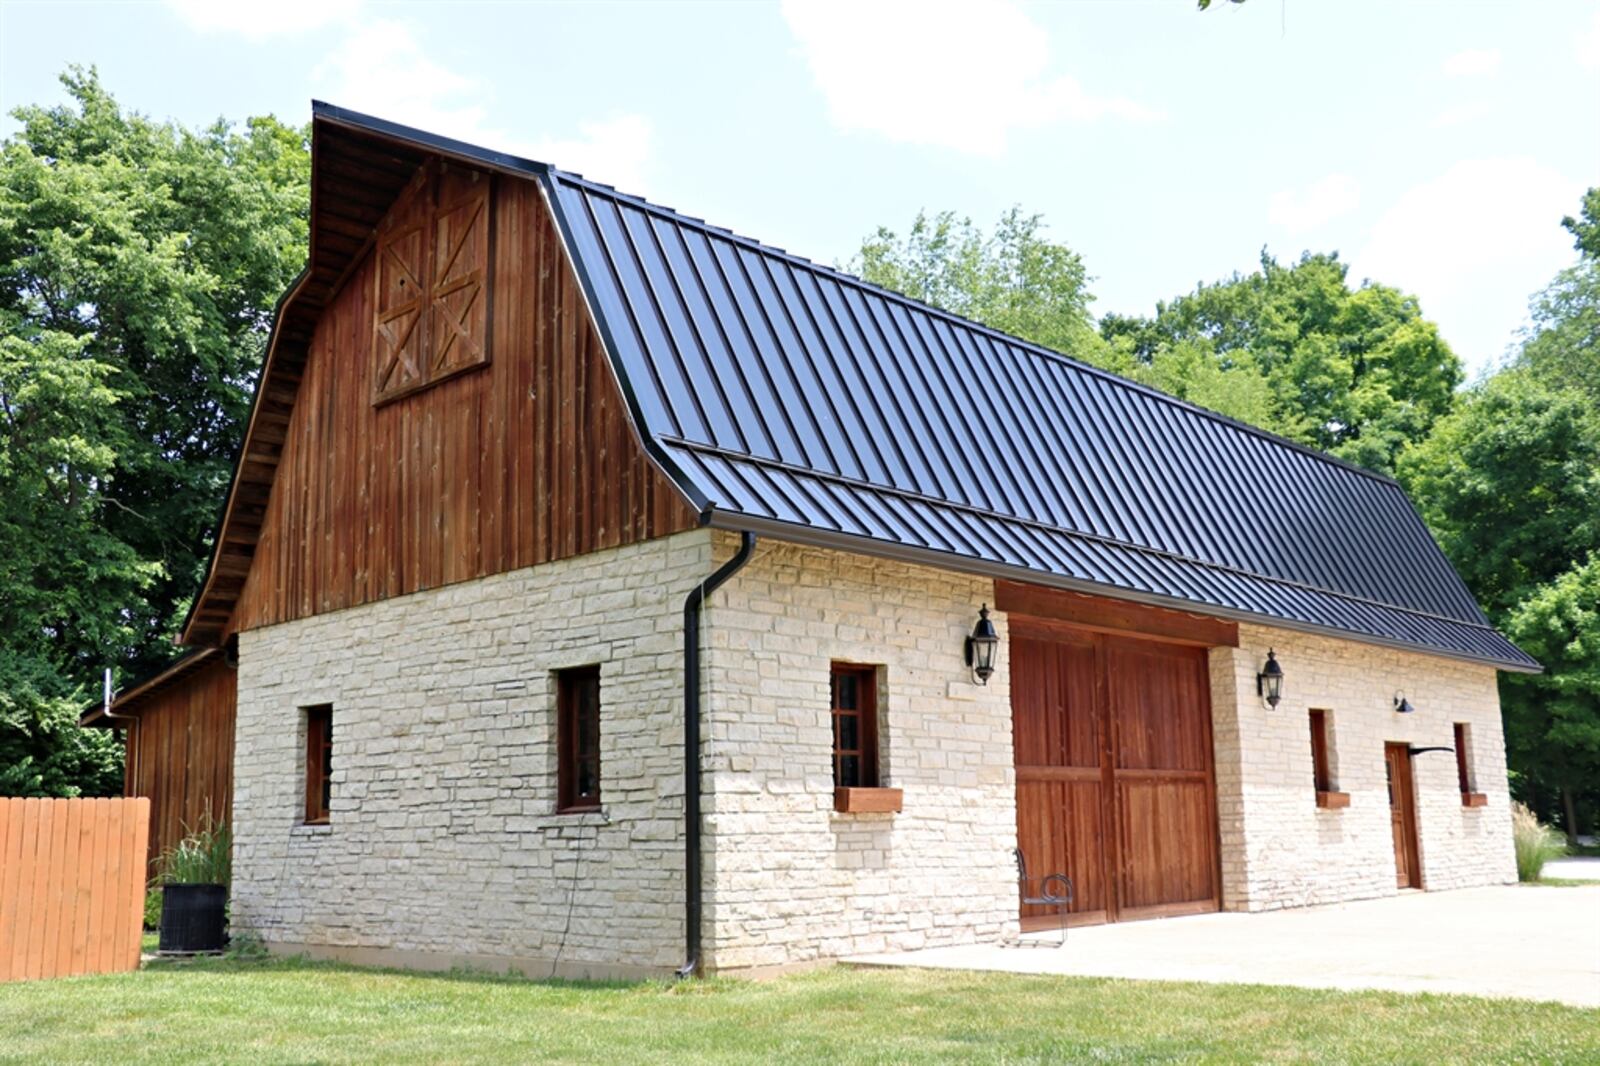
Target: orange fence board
x=71, y=885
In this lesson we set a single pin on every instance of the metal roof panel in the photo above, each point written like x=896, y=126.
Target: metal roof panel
x=791, y=394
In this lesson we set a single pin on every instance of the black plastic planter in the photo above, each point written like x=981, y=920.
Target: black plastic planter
x=193, y=918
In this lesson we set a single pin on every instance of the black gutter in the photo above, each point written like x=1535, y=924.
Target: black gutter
x=692, y=893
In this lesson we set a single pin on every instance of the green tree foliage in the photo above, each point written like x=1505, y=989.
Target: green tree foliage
x=1510, y=485
x=1553, y=719
x=139, y=263
x=1585, y=229
x=1014, y=279
x=1355, y=372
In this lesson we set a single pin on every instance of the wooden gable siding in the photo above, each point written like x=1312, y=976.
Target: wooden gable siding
x=180, y=752
x=527, y=460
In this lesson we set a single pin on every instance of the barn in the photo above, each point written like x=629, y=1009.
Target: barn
x=603, y=593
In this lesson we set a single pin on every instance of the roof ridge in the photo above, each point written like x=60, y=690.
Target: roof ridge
x=844, y=479
x=1030, y=347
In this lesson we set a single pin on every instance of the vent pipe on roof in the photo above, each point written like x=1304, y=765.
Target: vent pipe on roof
x=108, y=697
x=691, y=750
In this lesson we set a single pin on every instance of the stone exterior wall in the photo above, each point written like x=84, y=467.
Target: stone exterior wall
x=790, y=881
x=1278, y=848
x=443, y=845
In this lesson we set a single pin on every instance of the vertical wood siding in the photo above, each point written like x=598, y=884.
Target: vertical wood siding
x=180, y=752
x=72, y=878
x=530, y=459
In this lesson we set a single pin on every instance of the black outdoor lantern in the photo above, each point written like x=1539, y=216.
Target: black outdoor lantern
x=1269, y=682
x=981, y=647
x=1401, y=704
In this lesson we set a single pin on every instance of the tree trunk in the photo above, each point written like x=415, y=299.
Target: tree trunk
x=1569, y=811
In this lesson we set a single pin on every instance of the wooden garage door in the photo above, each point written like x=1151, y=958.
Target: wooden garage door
x=1112, y=739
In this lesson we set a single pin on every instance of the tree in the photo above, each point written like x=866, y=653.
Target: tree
x=59, y=568
x=1585, y=229
x=1014, y=279
x=1510, y=485
x=139, y=264
x=1554, y=718
x=1356, y=372
x=1562, y=344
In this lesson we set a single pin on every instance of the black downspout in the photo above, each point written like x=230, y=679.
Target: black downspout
x=691, y=749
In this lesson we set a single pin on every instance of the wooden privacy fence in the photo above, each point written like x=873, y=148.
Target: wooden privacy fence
x=72, y=880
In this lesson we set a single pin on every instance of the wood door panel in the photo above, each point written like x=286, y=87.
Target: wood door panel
x=1060, y=726
x=1158, y=694
x=1165, y=835
x=1058, y=830
x=1403, y=815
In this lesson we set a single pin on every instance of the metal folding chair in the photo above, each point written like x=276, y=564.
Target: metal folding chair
x=1055, y=890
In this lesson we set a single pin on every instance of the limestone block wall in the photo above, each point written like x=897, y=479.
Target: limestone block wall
x=443, y=844
x=1278, y=848
x=788, y=879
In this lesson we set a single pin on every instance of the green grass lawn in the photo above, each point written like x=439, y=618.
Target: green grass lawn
x=291, y=1011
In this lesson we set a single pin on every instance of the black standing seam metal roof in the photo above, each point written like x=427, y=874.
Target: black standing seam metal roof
x=790, y=398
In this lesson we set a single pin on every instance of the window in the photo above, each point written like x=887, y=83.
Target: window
x=319, y=763
x=1321, y=769
x=431, y=308
x=1322, y=762
x=855, y=726
x=1464, y=757
x=578, y=739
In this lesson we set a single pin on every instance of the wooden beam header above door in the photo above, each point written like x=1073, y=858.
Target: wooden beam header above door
x=1103, y=614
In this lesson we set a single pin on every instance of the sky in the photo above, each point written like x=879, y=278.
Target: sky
x=1435, y=146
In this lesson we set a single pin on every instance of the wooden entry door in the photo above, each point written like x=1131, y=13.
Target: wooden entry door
x=1403, y=815
x=1112, y=741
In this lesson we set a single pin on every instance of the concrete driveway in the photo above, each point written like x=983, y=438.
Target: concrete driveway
x=1507, y=941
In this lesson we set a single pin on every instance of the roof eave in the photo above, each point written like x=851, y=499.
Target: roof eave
x=823, y=538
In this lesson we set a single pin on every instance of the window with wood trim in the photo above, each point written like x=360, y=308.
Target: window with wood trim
x=1464, y=758
x=1321, y=756
x=855, y=725
x=431, y=315
x=319, y=763
x=578, y=739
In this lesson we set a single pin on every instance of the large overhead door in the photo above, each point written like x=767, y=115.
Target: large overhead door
x=1112, y=740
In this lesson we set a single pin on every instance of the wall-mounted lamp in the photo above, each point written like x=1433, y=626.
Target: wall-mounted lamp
x=981, y=647
x=1269, y=682
x=1401, y=704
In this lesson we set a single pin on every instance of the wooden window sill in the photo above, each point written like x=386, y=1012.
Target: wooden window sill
x=587, y=808
x=1333, y=801
x=867, y=800
x=1474, y=799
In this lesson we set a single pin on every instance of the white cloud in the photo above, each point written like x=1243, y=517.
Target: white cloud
x=1317, y=204
x=382, y=68
x=1460, y=115
x=1472, y=244
x=1589, y=43
x=953, y=73
x=261, y=18
x=1473, y=62
x=614, y=150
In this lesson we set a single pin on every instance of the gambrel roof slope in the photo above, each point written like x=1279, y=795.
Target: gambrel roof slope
x=788, y=398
